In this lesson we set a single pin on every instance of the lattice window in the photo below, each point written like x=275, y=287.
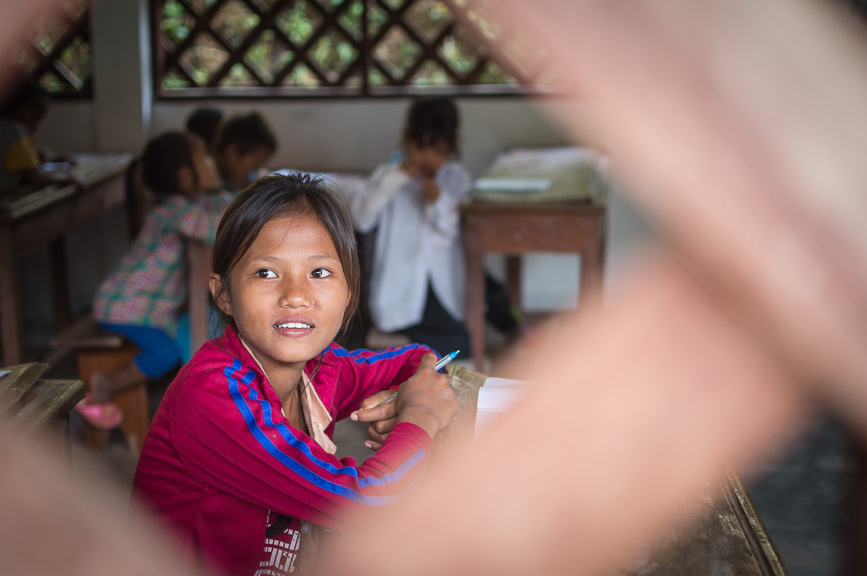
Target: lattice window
x=220, y=48
x=57, y=51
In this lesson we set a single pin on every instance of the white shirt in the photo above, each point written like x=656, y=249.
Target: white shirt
x=415, y=242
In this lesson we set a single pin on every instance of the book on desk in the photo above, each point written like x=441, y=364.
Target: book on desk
x=89, y=168
x=568, y=173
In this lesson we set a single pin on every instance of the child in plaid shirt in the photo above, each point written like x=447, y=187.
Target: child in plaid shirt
x=144, y=297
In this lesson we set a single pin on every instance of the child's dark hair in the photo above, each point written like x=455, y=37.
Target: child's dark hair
x=162, y=158
x=248, y=132
x=204, y=122
x=27, y=92
x=432, y=120
x=277, y=196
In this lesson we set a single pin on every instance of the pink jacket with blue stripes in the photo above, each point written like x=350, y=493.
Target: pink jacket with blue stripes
x=220, y=454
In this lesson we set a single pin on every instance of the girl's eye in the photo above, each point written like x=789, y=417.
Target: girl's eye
x=265, y=273
x=321, y=273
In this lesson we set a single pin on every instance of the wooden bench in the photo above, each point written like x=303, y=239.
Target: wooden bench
x=98, y=351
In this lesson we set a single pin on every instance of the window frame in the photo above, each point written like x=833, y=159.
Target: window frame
x=364, y=91
x=80, y=27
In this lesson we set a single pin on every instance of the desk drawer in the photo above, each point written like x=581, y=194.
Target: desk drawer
x=519, y=233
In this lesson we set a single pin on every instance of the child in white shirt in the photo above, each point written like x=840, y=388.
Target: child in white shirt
x=417, y=280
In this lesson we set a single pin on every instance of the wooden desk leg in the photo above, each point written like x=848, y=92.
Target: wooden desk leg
x=59, y=284
x=592, y=261
x=10, y=300
x=513, y=278
x=199, y=258
x=475, y=312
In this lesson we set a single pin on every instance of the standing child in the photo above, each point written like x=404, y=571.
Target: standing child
x=239, y=458
x=417, y=282
x=243, y=145
x=145, y=296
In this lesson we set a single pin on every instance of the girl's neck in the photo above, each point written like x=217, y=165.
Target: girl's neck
x=283, y=382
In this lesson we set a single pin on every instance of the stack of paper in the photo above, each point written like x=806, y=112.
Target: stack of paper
x=542, y=174
x=518, y=185
x=496, y=397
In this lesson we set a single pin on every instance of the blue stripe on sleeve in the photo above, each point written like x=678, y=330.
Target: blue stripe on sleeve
x=309, y=475
x=358, y=356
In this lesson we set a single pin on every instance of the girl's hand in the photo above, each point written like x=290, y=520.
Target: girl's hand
x=427, y=398
x=429, y=189
x=382, y=418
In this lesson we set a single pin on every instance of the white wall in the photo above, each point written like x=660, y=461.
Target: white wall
x=341, y=134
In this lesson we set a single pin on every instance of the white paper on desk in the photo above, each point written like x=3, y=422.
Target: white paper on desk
x=506, y=184
x=497, y=396
x=4, y=373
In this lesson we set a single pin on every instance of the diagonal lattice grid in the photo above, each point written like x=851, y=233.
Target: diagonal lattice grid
x=318, y=47
x=57, y=52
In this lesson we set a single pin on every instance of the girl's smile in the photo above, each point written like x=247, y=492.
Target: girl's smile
x=294, y=327
x=287, y=296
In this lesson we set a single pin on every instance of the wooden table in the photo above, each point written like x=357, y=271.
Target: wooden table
x=35, y=406
x=725, y=534
x=198, y=276
x=516, y=228
x=33, y=219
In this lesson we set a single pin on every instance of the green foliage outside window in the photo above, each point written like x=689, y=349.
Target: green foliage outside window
x=315, y=46
x=57, y=51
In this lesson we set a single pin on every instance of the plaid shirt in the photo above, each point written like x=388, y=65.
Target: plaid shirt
x=149, y=286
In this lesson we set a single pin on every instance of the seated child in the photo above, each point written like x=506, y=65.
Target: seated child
x=144, y=298
x=239, y=459
x=21, y=113
x=417, y=280
x=243, y=146
x=205, y=123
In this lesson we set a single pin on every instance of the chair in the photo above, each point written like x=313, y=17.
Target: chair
x=98, y=351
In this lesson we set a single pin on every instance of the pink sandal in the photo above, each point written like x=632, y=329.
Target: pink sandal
x=104, y=415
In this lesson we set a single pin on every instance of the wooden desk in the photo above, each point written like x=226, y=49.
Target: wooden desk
x=30, y=404
x=199, y=274
x=517, y=228
x=725, y=536
x=35, y=218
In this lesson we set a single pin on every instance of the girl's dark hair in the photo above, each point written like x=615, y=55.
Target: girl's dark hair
x=28, y=93
x=248, y=132
x=277, y=196
x=162, y=158
x=204, y=122
x=432, y=120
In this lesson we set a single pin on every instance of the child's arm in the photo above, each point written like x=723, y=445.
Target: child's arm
x=37, y=178
x=454, y=182
x=199, y=219
x=374, y=194
x=363, y=373
x=230, y=438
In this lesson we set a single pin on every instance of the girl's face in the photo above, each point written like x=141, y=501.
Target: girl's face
x=287, y=294
x=428, y=158
x=241, y=169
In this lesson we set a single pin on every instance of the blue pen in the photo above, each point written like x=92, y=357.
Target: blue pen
x=442, y=363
